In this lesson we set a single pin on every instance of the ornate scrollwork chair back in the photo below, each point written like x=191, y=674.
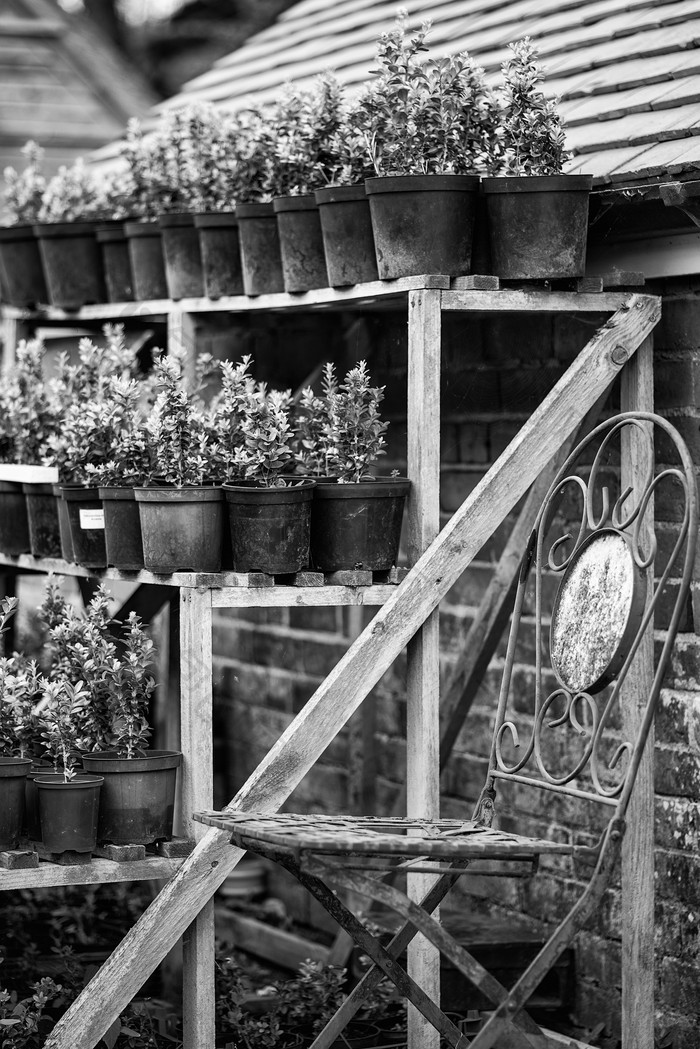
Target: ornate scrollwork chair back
x=595, y=537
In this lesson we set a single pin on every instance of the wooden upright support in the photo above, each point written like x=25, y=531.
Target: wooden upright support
x=637, y=394
x=423, y=674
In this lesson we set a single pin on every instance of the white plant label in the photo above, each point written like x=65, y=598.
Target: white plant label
x=92, y=519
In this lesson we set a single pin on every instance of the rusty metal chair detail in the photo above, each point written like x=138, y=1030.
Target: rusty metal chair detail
x=611, y=583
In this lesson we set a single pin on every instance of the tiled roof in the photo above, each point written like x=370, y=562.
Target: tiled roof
x=60, y=83
x=627, y=71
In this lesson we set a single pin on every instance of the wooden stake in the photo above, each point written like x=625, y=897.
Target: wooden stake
x=317, y=724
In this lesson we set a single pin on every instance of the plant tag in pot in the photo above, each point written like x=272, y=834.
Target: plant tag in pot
x=92, y=519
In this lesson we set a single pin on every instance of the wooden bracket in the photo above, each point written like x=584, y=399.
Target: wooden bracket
x=682, y=195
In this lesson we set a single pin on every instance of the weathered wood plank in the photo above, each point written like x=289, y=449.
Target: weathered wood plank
x=637, y=393
x=423, y=666
x=512, y=301
x=286, y=596
x=95, y=873
x=266, y=941
x=358, y=671
x=146, y=601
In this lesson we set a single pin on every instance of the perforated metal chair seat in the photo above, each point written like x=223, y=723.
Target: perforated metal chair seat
x=374, y=836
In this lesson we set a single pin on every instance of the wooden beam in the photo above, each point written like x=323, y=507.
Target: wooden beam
x=637, y=394
x=147, y=601
x=341, y=693
x=682, y=195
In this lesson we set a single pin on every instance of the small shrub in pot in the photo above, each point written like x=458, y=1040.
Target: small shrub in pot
x=21, y=269
x=14, y=762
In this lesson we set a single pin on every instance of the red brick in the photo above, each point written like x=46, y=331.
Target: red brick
x=478, y=390
x=676, y=381
x=679, y=327
x=524, y=389
x=517, y=337
x=456, y=483
x=473, y=440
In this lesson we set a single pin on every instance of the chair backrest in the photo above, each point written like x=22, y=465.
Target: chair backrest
x=596, y=573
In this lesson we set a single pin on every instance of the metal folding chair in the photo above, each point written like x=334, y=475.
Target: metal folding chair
x=612, y=582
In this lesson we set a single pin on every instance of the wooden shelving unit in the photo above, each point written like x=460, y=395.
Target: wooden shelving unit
x=187, y=900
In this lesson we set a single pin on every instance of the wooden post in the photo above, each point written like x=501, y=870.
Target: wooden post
x=182, y=339
x=353, y=677
x=423, y=675
x=196, y=792
x=637, y=393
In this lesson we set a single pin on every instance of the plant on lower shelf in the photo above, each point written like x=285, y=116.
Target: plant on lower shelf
x=352, y=437
x=65, y=719
x=177, y=430
x=312, y=427
x=130, y=686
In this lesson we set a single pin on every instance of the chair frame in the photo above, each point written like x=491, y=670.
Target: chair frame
x=316, y=852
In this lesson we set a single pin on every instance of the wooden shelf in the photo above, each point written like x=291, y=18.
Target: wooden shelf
x=97, y=872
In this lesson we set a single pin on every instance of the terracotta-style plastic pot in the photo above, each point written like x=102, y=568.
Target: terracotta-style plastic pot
x=86, y=520
x=123, y=542
x=261, y=260
x=72, y=263
x=357, y=525
x=21, y=267
x=221, y=253
x=14, y=523
x=137, y=801
x=270, y=527
x=181, y=528
x=13, y=774
x=63, y=524
x=119, y=280
x=538, y=225
x=42, y=519
x=348, y=240
x=422, y=223
x=146, y=256
x=182, y=257
x=301, y=243
x=68, y=812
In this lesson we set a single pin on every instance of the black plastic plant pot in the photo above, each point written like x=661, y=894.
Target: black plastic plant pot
x=86, y=520
x=63, y=524
x=357, y=526
x=182, y=257
x=72, y=263
x=116, y=262
x=14, y=523
x=261, y=260
x=123, y=542
x=21, y=267
x=42, y=518
x=181, y=528
x=138, y=796
x=32, y=821
x=68, y=812
x=348, y=240
x=146, y=256
x=422, y=223
x=538, y=225
x=221, y=253
x=13, y=774
x=270, y=527
x=301, y=243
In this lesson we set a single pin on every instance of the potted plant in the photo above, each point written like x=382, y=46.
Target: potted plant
x=68, y=800
x=537, y=216
x=429, y=127
x=346, y=222
x=112, y=239
x=138, y=795
x=20, y=261
x=72, y=204
x=268, y=511
x=307, y=125
x=13, y=764
x=145, y=160
x=355, y=522
x=182, y=514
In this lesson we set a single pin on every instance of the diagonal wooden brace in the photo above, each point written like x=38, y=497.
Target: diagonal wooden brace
x=354, y=676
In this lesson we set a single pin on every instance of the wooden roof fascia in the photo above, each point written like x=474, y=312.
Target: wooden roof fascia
x=46, y=27
x=634, y=128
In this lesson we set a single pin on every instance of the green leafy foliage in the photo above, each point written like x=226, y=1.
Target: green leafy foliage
x=129, y=689
x=355, y=429
x=307, y=124
x=313, y=434
x=265, y=451
x=74, y=194
x=533, y=138
x=118, y=436
x=24, y=1022
x=21, y=686
x=65, y=713
x=178, y=431
x=23, y=191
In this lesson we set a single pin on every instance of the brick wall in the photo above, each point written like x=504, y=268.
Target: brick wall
x=268, y=662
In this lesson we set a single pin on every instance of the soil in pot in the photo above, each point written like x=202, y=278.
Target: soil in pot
x=72, y=263
x=357, y=526
x=68, y=812
x=86, y=520
x=221, y=253
x=261, y=261
x=270, y=527
x=14, y=523
x=42, y=517
x=348, y=240
x=538, y=225
x=63, y=524
x=114, y=246
x=422, y=223
x=146, y=257
x=123, y=543
x=21, y=267
x=181, y=528
x=138, y=796
x=13, y=775
x=301, y=243
x=182, y=257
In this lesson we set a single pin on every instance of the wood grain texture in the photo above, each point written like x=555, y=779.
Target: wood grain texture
x=95, y=873
x=637, y=393
x=322, y=717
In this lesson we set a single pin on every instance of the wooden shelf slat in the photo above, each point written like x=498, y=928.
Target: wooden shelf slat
x=97, y=872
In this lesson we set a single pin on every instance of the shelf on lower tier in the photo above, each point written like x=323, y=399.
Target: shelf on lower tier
x=458, y=294
x=229, y=589
x=97, y=872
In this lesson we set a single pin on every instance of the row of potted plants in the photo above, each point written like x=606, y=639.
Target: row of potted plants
x=312, y=190
x=150, y=476
x=75, y=768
